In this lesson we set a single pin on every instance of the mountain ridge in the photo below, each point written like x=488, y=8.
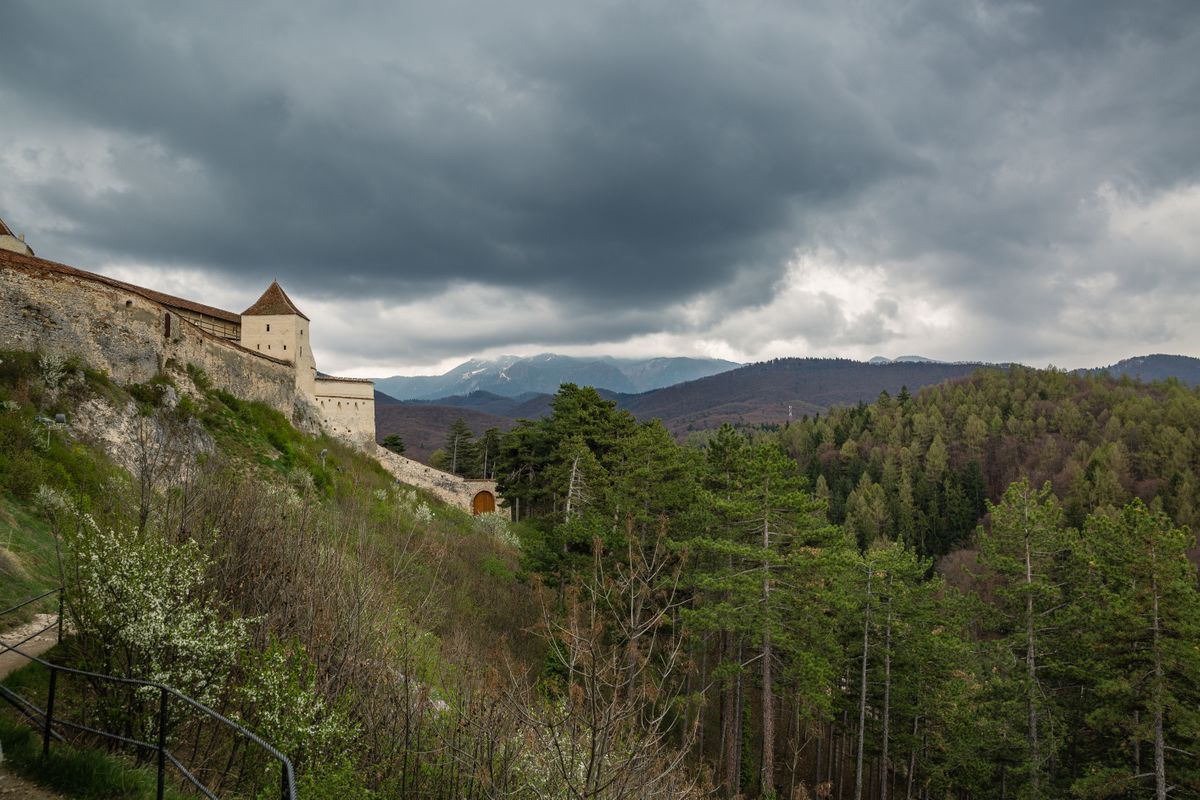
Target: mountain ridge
x=510, y=376
x=763, y=393
x=1153, y=367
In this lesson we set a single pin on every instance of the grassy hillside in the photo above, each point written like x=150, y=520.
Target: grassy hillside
x=299, y=563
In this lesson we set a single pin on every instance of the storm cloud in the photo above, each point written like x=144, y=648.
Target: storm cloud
x=992, y=180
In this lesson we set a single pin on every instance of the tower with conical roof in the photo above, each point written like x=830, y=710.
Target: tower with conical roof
x=10, y=241
x=275, y=327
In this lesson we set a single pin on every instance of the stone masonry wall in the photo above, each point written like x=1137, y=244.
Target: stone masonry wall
x=126, y=334
x=52, y=310
x=451, y=489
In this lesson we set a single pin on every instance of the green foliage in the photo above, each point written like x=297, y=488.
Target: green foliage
x=533, y=467
x=199, y=377
x=394, y=442
x=150, y=395
x=258, y=432
x=28, y=563
x=278, y=688
x=81, y=774
x=938, y=456
x=147, y=610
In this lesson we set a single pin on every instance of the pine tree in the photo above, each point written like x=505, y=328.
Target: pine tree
x=1020, y=549
x=1138, y=660
x=460, y=451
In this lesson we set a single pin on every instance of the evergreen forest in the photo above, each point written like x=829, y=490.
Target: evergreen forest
x=983, y=590
x=986, y=589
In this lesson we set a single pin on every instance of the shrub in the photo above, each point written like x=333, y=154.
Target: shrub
x=496, y=524
x=145, y=611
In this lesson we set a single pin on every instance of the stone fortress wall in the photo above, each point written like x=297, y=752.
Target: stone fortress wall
x=133, y=332
x=476, y=496
x=347, y=407
x=57, y=309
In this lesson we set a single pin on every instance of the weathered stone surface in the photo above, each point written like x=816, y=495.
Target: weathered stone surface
x=128, y=336
x=111, y=327
x=452, y=489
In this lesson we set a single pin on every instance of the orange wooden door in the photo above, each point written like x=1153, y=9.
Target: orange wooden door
x=483, y=503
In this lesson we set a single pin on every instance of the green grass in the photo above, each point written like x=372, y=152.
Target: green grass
x=28, y=564
x=76, y=772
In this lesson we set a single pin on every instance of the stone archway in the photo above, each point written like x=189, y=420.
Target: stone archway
x=484, y=503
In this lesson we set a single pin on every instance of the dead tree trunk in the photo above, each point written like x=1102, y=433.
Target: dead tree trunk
x=1031, y=664
x=767, y=777
x=1160, y=761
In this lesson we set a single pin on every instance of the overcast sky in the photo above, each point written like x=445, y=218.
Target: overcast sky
x=435, y=181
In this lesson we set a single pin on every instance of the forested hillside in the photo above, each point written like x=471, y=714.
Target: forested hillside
x=1157, y=367
x=920, y=468
x=789, y=655
x=388, y=644
x=766, y=392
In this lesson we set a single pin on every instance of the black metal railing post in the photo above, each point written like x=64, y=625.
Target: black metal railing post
x=49, y=712
x=162, y=741
x=287, y=784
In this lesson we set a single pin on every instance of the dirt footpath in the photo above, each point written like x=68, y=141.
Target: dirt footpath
x=14, y=788
x=9, y=661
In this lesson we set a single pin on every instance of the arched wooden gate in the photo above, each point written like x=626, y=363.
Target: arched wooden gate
x=484, y=502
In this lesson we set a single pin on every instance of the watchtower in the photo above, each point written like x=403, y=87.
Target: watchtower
x=274, y=327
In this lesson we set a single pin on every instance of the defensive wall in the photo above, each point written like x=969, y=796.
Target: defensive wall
x=132, y=333
x=475, y=496
x=122, y=329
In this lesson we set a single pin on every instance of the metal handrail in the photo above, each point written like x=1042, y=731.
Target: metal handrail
x=287, y=776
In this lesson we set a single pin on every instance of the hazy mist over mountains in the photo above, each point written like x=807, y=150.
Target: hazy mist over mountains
x=511, y=376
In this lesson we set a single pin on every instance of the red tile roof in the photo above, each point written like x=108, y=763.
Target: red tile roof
x=274, y=301
x=40, y=264
x=5, y=230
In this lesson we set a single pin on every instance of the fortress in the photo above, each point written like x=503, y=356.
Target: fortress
x=263, y=354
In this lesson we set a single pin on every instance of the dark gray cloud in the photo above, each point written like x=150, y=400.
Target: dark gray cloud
x=619, y=169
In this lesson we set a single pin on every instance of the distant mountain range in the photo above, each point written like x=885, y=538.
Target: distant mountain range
x=754, y=394
x=1156, y=367
x=762, y=393
x=513, y=376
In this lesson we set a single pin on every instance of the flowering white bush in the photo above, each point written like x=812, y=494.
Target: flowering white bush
x=54, y=369
x=424, y=514
x=282, y=705
x=495, y=523
x=52, y=502
x=141, y=609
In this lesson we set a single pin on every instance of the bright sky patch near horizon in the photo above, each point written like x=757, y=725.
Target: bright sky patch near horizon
x=435, y=181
